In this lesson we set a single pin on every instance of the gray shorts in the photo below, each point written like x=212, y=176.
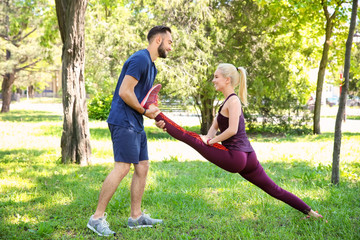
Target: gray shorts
x=129, y=146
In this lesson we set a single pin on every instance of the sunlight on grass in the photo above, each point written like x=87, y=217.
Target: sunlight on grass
x=17, y=219
x=15, y=182
x=63, y=198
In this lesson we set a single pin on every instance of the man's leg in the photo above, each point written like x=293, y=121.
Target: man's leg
x=138, y=186
x=109, y=186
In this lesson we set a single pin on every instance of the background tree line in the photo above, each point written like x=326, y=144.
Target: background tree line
x=277, y=42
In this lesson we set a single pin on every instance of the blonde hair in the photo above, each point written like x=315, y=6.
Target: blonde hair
x=237, y=77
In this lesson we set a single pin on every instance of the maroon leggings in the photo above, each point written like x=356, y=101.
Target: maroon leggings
x=246, y=164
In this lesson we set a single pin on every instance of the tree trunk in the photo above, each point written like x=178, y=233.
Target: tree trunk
x=75, y=140
x=6, y=87
x=335, y=176
x=206, y=114
x=31, y=91
x=321, y=76
x=9, y=78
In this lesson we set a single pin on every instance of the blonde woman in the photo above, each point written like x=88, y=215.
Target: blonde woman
x=235, y=154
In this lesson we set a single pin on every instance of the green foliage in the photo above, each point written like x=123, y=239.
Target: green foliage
x=354, y=83
x=109, y=42
x=27, y=34
x=285, y=129
x=277, y=42
x=99, y=106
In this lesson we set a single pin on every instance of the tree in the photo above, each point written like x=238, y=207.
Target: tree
x=75, y=139
x=21, y=48
x=331, y=20
x=106, y=53
x=339, y=117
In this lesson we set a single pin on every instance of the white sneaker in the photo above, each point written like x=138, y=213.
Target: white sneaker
x=100, y=226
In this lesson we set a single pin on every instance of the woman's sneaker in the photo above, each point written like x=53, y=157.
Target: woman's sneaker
x=100, y=226
x=143, y=221
x=151, y=97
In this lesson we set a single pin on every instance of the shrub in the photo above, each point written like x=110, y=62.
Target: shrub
x=99, y=107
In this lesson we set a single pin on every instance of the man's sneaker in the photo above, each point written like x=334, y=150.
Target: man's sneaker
x=100, y=226
x=143, y=221
x=151, y=97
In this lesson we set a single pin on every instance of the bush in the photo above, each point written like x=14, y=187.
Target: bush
x=99, y=107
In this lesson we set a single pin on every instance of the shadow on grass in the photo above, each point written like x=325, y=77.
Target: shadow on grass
x=30, y=116
x=20, y=155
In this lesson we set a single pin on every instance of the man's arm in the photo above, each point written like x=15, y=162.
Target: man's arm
x=127, y=94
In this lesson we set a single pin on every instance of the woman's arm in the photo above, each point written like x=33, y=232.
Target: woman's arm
x=213, y=129
x=234, y=110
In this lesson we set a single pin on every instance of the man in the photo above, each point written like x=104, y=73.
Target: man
x=127, y=131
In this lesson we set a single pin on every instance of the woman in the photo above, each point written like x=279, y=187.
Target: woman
x=235, y=154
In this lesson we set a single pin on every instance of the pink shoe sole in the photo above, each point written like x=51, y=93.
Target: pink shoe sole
x=151, y=97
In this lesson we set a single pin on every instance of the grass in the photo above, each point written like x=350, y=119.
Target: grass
x=40, y=198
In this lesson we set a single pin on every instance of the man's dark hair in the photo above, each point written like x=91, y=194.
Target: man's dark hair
x=157, y=29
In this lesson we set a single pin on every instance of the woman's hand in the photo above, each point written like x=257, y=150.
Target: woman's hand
x=205, y=139
x=161, y=124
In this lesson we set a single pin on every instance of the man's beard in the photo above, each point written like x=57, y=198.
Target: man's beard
x=161, y=51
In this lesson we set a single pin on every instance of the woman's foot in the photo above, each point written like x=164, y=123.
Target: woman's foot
x=151, y=97
x=315, y=214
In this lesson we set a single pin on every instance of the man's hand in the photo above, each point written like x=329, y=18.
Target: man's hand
x=151, y=112
x=161, y=124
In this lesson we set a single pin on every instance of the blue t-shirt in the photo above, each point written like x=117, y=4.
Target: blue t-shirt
x=140, y=66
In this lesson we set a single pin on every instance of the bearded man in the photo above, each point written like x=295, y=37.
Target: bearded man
x=127, y=131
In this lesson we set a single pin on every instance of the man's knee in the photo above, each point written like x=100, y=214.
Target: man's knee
x=142, y=168
x=122, y=168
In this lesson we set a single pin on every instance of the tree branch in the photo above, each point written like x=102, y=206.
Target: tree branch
x=326, y=12
x=17, y=35
x=5, y=37
x=22, y=38
x=29, y=65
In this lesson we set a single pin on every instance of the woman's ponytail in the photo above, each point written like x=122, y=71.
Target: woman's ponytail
x=242, y=84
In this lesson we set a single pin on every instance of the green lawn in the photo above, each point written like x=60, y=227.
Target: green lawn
x=42, y=199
